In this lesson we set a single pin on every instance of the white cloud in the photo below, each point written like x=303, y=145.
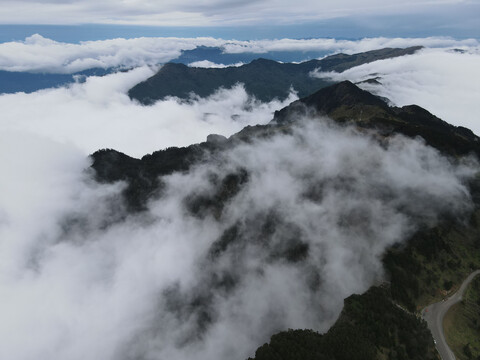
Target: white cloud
x=345, y=46
x=442, y=81
x=98, y=114
x=210, y=64
x=39, y=54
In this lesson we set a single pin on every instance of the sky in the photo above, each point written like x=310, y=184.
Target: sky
x=90, y=20
x=214, y=12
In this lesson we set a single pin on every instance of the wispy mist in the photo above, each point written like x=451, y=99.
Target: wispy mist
x=266, y=236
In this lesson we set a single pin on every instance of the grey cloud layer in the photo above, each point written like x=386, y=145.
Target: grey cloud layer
x=213, y=12
x=151, y=287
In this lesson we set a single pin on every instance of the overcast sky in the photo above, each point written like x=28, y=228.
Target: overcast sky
x=229, y=12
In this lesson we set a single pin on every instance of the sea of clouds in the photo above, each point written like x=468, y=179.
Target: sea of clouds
x=80, y=278
x=440, y=78
x=39, y=54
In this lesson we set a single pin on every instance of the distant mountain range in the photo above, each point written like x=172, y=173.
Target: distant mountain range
x=372, y=325
x=262, y=78
x=28, y=82
x=218, y=55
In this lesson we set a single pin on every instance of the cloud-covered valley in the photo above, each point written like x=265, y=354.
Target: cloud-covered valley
x=311, y=215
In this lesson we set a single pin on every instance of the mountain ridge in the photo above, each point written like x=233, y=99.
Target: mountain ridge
x=264, y=79
x=344, y=102
x=432, y=256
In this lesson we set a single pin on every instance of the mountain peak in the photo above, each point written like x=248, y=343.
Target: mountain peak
x=341, y=101
x=344, y=93
x=345, y=102
x=263, y=61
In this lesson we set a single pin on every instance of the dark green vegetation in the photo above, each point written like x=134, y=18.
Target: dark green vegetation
x=462, y=324
x=370, y=326
x=264, y=79
x=435, y=261
x=143, y=176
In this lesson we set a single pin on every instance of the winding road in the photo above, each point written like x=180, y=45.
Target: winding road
x=433, y=314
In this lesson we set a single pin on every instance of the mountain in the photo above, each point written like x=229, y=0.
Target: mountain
x=262, y=78
x=347, y=103
x=344, y=102
x=442, y=242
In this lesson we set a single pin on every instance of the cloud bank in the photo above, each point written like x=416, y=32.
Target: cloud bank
x=39, y=54
x=313, y=212
x=442, y=81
